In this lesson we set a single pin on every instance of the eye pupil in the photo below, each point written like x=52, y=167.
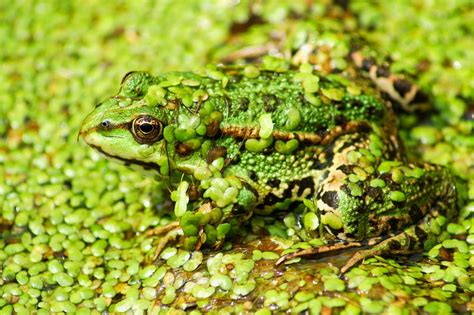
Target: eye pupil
x=146, y=127
x=105, y=124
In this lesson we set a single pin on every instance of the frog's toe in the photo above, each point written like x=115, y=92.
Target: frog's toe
x=318, y=250
x=171, y=235
x=160, y=230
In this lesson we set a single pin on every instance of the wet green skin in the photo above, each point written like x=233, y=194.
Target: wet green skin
x=336, y=145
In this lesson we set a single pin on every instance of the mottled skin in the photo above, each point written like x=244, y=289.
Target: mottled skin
x=257, y=141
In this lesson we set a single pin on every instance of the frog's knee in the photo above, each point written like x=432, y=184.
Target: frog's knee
x=343, y=213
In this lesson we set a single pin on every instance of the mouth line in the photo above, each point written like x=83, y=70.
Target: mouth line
x=128, y=162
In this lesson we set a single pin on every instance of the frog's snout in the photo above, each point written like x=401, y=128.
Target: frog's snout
x=83, y=130
x=88, y=126
x=82, y=133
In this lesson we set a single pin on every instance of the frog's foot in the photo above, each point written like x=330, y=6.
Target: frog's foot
x=398, y=244
x=170, y=232
x=398, y=88
x=160, y=230
x=318, y=250
x=402, y=243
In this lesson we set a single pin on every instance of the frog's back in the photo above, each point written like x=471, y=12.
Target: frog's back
x=301, y=105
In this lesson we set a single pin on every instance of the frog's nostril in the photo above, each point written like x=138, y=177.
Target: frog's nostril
x=105, y=124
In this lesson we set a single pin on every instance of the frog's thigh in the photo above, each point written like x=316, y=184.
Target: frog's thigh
x=402, y=195
x=386, y=200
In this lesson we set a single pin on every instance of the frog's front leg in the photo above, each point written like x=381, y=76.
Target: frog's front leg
x=170, y=232
x=222, y=203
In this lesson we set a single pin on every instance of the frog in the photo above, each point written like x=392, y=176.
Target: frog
x=234, y=142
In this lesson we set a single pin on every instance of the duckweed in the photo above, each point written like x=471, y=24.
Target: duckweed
x=334, y=284
x=73, y=227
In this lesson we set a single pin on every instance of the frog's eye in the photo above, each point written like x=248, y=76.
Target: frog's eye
x=147, y=129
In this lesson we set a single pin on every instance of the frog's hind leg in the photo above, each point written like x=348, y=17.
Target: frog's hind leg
x=429, y=192
x=409, y=241
x=405, y=204
x=406, y=242
x=318, y=250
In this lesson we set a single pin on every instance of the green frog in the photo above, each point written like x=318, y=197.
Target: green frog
x=233, y=142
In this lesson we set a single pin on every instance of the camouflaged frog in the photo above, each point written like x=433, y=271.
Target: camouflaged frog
x=234, y=142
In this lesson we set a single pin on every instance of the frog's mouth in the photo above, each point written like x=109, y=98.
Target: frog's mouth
x=128, y=162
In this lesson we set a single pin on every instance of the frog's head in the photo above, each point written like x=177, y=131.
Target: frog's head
x=126, y=129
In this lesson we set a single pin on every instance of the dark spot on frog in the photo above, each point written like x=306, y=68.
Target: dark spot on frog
x=213, y=128
x=253, y=176
x=394, y=223
x=373, y=111
x=416, y=213
x=364, y=127
x=402, y=86
x=287, y=194
x=412, y=242
x=274, y=182
x=355, y=103
x=228, y=105
x=331, y=198
x=244, y=104
x=307, y=182
x=420, y=233
x=367, y=63
x=183, y=149
x=271, y=199
x=340, y=120
x=269, y=102
x=340, y=106
x=215, y=153
x=383, y=71
x=268, y=151
x=321, y=132
x=394, y=245
x=375, y=193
